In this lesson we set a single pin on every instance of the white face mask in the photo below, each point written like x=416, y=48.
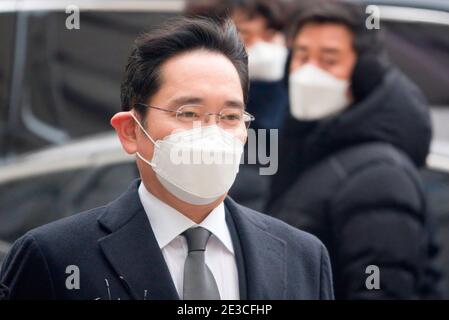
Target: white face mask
x=198, y=165
x=266, y=61
x=315, y=93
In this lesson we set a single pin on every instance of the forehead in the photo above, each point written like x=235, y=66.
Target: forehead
x=324, y=35
x=200, y=72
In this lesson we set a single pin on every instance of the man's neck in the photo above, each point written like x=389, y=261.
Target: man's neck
x=196, y=213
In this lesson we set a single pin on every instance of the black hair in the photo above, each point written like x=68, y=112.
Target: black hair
x=142, y=78
x=271, y=10
x=352, y=16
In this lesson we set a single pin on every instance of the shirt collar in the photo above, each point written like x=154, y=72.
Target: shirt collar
x=168, y=223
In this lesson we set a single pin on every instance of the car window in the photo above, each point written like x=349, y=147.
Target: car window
x=421, y=50
x=32, y=202
x=70, y=78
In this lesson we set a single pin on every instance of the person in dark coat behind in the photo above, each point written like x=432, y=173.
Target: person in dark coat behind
x=261, y=24
x=348, y=159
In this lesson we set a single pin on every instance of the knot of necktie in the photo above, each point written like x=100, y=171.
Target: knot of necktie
x=197, y=238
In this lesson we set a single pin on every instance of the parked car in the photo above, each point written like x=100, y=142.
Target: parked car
x=56, y=182
x=58, y=84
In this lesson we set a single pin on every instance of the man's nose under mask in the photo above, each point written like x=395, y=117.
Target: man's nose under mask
x=315, y=93
x=266, y=61
x=198, y=165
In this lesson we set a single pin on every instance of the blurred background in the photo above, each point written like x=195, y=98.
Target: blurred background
x=60, y=87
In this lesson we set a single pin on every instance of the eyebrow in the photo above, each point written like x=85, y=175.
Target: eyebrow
x=330, y=50
x=327, y=50
x=197, y=100
x=185, y=100
x=235, y=104
x=299, y=48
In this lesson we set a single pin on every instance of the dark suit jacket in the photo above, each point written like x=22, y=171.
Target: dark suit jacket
x=117, y=256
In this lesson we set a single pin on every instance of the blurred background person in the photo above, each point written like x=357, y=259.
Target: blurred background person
x=357, y=132
x=261, y=27
x=261, y=24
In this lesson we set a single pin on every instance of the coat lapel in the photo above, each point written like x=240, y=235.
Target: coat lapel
x=132, y=250
x=134, y=254
x=264, y=255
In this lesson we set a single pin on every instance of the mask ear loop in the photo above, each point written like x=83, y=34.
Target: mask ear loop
x=141, y=127
x=146, y=133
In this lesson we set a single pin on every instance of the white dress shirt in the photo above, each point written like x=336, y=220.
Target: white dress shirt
x=168, y=224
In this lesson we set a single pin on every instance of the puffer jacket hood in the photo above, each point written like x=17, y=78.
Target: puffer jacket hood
x=394, y=112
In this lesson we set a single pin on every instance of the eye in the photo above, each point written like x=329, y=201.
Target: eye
x=189, y=113
x=231, y=115
x=330, y=62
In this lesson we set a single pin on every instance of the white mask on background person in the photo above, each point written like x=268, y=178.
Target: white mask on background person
x=315, y=93
x=198, y=165
x=266, y=61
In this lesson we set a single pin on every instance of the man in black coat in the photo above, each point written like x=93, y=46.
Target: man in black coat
x=349, y=157
x=174, y=234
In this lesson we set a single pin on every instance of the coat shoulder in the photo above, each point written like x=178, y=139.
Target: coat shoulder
x=68, y=230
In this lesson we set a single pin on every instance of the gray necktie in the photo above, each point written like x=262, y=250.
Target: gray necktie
x=199, y=282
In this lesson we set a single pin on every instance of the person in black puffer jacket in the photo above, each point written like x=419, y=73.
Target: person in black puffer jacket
x=349, y=174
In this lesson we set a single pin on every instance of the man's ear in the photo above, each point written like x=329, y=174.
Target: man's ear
x=125, y=127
